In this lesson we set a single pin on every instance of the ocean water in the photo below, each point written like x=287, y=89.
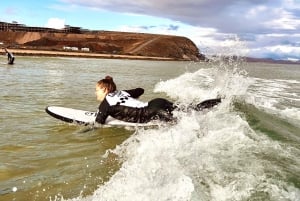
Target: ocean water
x=247, y=148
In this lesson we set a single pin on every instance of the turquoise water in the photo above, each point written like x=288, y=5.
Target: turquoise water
x=245, y=149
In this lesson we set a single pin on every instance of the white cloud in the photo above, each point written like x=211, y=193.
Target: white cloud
x=55, y=23
x=212, y=23
x=284, y=52
x=285, y=20
x=228, y=16
x=255, y=11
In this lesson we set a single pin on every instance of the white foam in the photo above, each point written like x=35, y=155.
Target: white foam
x=276, y=97
x=204, y=84
x=210, y=155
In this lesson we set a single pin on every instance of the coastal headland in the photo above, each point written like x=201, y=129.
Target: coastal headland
x=77, y=42
x=98, y=44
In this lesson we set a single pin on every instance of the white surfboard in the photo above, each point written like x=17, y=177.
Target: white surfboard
x=82, y=117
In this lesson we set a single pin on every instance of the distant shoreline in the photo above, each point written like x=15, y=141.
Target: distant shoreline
x=55, y=53
x=27, y=52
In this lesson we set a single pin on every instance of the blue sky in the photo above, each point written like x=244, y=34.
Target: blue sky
x=256, y=28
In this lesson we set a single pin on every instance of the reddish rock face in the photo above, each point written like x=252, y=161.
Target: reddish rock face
x=106, y=42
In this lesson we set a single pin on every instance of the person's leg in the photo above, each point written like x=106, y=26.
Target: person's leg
x=161, y=103
x=11, y=60
x=161, y=109
x=207, y=104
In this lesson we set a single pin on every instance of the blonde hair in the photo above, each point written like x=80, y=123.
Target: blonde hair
x=108, y=84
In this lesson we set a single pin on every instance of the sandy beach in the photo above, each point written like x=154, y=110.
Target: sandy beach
x=28, y=52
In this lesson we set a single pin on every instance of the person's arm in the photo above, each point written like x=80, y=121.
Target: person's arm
x=9, y=55
x=102, y=112
x=135, y=93
x=6, y=53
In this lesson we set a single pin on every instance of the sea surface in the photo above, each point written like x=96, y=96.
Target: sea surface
x=247, y=148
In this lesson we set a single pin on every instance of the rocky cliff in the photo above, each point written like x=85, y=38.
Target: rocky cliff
x=106, y=42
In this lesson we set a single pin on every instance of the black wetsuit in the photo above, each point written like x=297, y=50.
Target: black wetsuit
x=10, y=58
x=123, y=105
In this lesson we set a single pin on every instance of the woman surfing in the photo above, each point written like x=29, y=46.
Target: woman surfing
x=124, y=106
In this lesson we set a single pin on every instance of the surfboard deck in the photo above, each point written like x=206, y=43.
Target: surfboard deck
x=85, y=118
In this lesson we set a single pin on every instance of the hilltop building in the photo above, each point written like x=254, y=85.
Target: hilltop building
x=15, y=26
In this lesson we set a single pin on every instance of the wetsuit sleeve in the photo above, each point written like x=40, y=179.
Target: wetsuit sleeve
x=103, y=112
x=135, y=93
